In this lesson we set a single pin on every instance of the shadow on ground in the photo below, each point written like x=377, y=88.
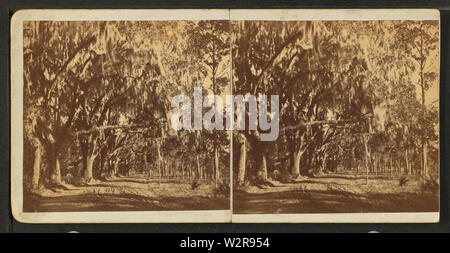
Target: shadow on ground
x=335, y=194
x=125, y=194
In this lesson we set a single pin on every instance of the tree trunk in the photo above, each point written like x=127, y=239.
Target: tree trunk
x=56, y=174
x=158, y=145
x=408, y=168
x=89, y=168
x=115, y=172
x=377, y=163
x=242, y=161
x=390, y=165
x=199, y=169
x=36, y=165
x=324, y=164
x=216, y=164
x=165, y=167
x=264, y=167
x=145, y=163
x=295, y=171
x=102, y=167
x=366, y=146
x=425, y=162
x=422, y=84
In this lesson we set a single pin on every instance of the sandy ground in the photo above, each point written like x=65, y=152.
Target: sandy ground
x=332, y=193
x=335, y=194
x=134, y=193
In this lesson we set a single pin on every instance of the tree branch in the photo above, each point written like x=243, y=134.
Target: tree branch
x=82, y=46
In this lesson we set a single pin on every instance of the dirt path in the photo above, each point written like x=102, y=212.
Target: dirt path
x=134, y=193
x=325, y=194
x=335, y=194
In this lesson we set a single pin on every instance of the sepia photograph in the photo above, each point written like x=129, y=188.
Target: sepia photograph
x=98, y=99
x=358, y=116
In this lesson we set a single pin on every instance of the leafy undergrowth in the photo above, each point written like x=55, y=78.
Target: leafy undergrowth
x=335, y=193
x=126, y=194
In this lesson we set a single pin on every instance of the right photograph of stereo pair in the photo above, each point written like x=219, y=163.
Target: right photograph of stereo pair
x=357, y=113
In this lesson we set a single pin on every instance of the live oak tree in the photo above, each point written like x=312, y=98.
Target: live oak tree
x=105, y=87
x=294, y=68
x=258, y=49
x=54, y=55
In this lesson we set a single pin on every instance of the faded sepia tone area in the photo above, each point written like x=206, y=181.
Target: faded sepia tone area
x=96, y=113
x=359, y=108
